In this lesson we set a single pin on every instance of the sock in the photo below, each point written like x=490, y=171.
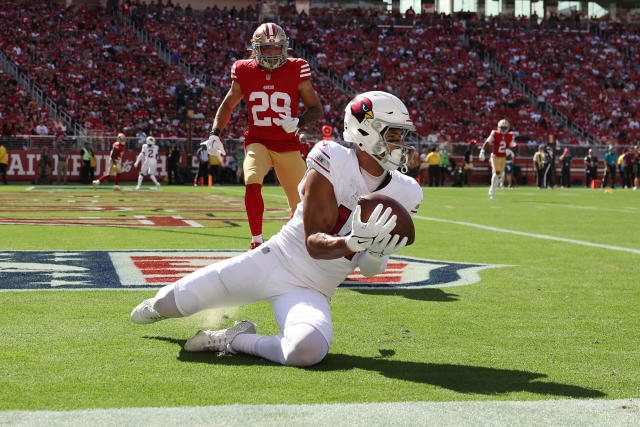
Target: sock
x=269, y=348
x=153, y=178
x=116, y=179
x=257, y=239
x=140, y=178
x=255, y=207
x=494, y=183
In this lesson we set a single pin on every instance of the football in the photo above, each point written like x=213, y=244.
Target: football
x=404, y=225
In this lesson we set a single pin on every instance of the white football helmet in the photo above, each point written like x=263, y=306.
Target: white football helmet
x=150, y=140
x=270, y=34
x=367, y=119
x=503, y=126
x=122, y=138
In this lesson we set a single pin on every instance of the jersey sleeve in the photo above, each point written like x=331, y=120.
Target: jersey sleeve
x=305, y=70
x=234, y=72
x=491, y=137
x=414, y=197
x=328, y=158
x=319, y=159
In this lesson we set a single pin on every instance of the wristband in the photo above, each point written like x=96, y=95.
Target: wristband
x=301, y=121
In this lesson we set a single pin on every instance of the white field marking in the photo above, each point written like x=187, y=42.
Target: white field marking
x=535, y=235
x=572, y=412
x=193, y=223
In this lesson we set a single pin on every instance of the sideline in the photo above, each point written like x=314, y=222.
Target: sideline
x=470, y=413
x=534, y=235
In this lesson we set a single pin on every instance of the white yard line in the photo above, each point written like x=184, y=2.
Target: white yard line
x=569, y=412
x=534, y=235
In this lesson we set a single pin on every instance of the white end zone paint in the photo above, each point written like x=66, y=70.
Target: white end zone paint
x=571, y=412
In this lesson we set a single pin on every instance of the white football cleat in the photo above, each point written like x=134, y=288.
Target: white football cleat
x=219, y=341
x=158, y=186
x=145, y=313
x=137, y=187
x=116, y=188
x=95, y=183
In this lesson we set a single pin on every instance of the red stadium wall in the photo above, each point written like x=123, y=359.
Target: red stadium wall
x=23, y=165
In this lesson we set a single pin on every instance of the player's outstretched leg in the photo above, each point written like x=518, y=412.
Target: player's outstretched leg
x=153, y=178
x=219, y=341
x=146, y=313
x=160, y=307
x=140, y=178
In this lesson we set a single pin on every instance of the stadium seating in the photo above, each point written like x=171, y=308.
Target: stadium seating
x=110, y=81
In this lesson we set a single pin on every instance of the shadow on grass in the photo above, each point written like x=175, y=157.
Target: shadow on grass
x=437, y=295
x=459, y=378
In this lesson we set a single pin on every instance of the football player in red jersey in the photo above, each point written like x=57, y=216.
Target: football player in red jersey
x=272, y=85
x=115, y=163
x=501, y=139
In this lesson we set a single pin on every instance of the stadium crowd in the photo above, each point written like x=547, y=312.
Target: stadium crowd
x=584, y=75
x=109, y=81
x=98, y=71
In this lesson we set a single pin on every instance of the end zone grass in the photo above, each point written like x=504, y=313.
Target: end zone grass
x=562, y=322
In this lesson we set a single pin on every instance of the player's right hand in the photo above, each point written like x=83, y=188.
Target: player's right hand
x=481, y=157
x=214, y=146
x=135, y=165
x=363, y=234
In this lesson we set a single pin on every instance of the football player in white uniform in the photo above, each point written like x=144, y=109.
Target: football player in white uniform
x=298, y=269
x=149, y=158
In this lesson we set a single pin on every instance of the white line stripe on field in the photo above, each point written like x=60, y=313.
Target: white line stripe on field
x=535, y=235
x=471, y=413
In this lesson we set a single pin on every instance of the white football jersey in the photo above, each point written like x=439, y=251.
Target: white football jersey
x=340, y=166
x=150, y=151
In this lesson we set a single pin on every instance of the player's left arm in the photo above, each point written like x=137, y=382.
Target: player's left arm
x=311, y=100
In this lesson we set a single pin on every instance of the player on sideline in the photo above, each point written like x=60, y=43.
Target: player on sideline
x=115, y=163
x=149, y=158
x=272, y=86
x=299, y=268
x=501, y=139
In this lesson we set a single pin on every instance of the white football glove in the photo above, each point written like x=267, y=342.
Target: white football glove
x=363, y=234
x=388, y=245
x=481, y=156
x=289, y=124
x=135, y=165
x=214, y=146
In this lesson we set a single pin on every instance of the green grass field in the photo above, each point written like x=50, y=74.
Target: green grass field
x=559, y=320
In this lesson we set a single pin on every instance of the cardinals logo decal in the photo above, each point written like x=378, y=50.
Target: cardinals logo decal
x=361, y=109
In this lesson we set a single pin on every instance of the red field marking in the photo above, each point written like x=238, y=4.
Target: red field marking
x=392, y=274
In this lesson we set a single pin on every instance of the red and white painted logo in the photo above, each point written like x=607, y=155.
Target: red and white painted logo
x=37, y=270
x=160, y=268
